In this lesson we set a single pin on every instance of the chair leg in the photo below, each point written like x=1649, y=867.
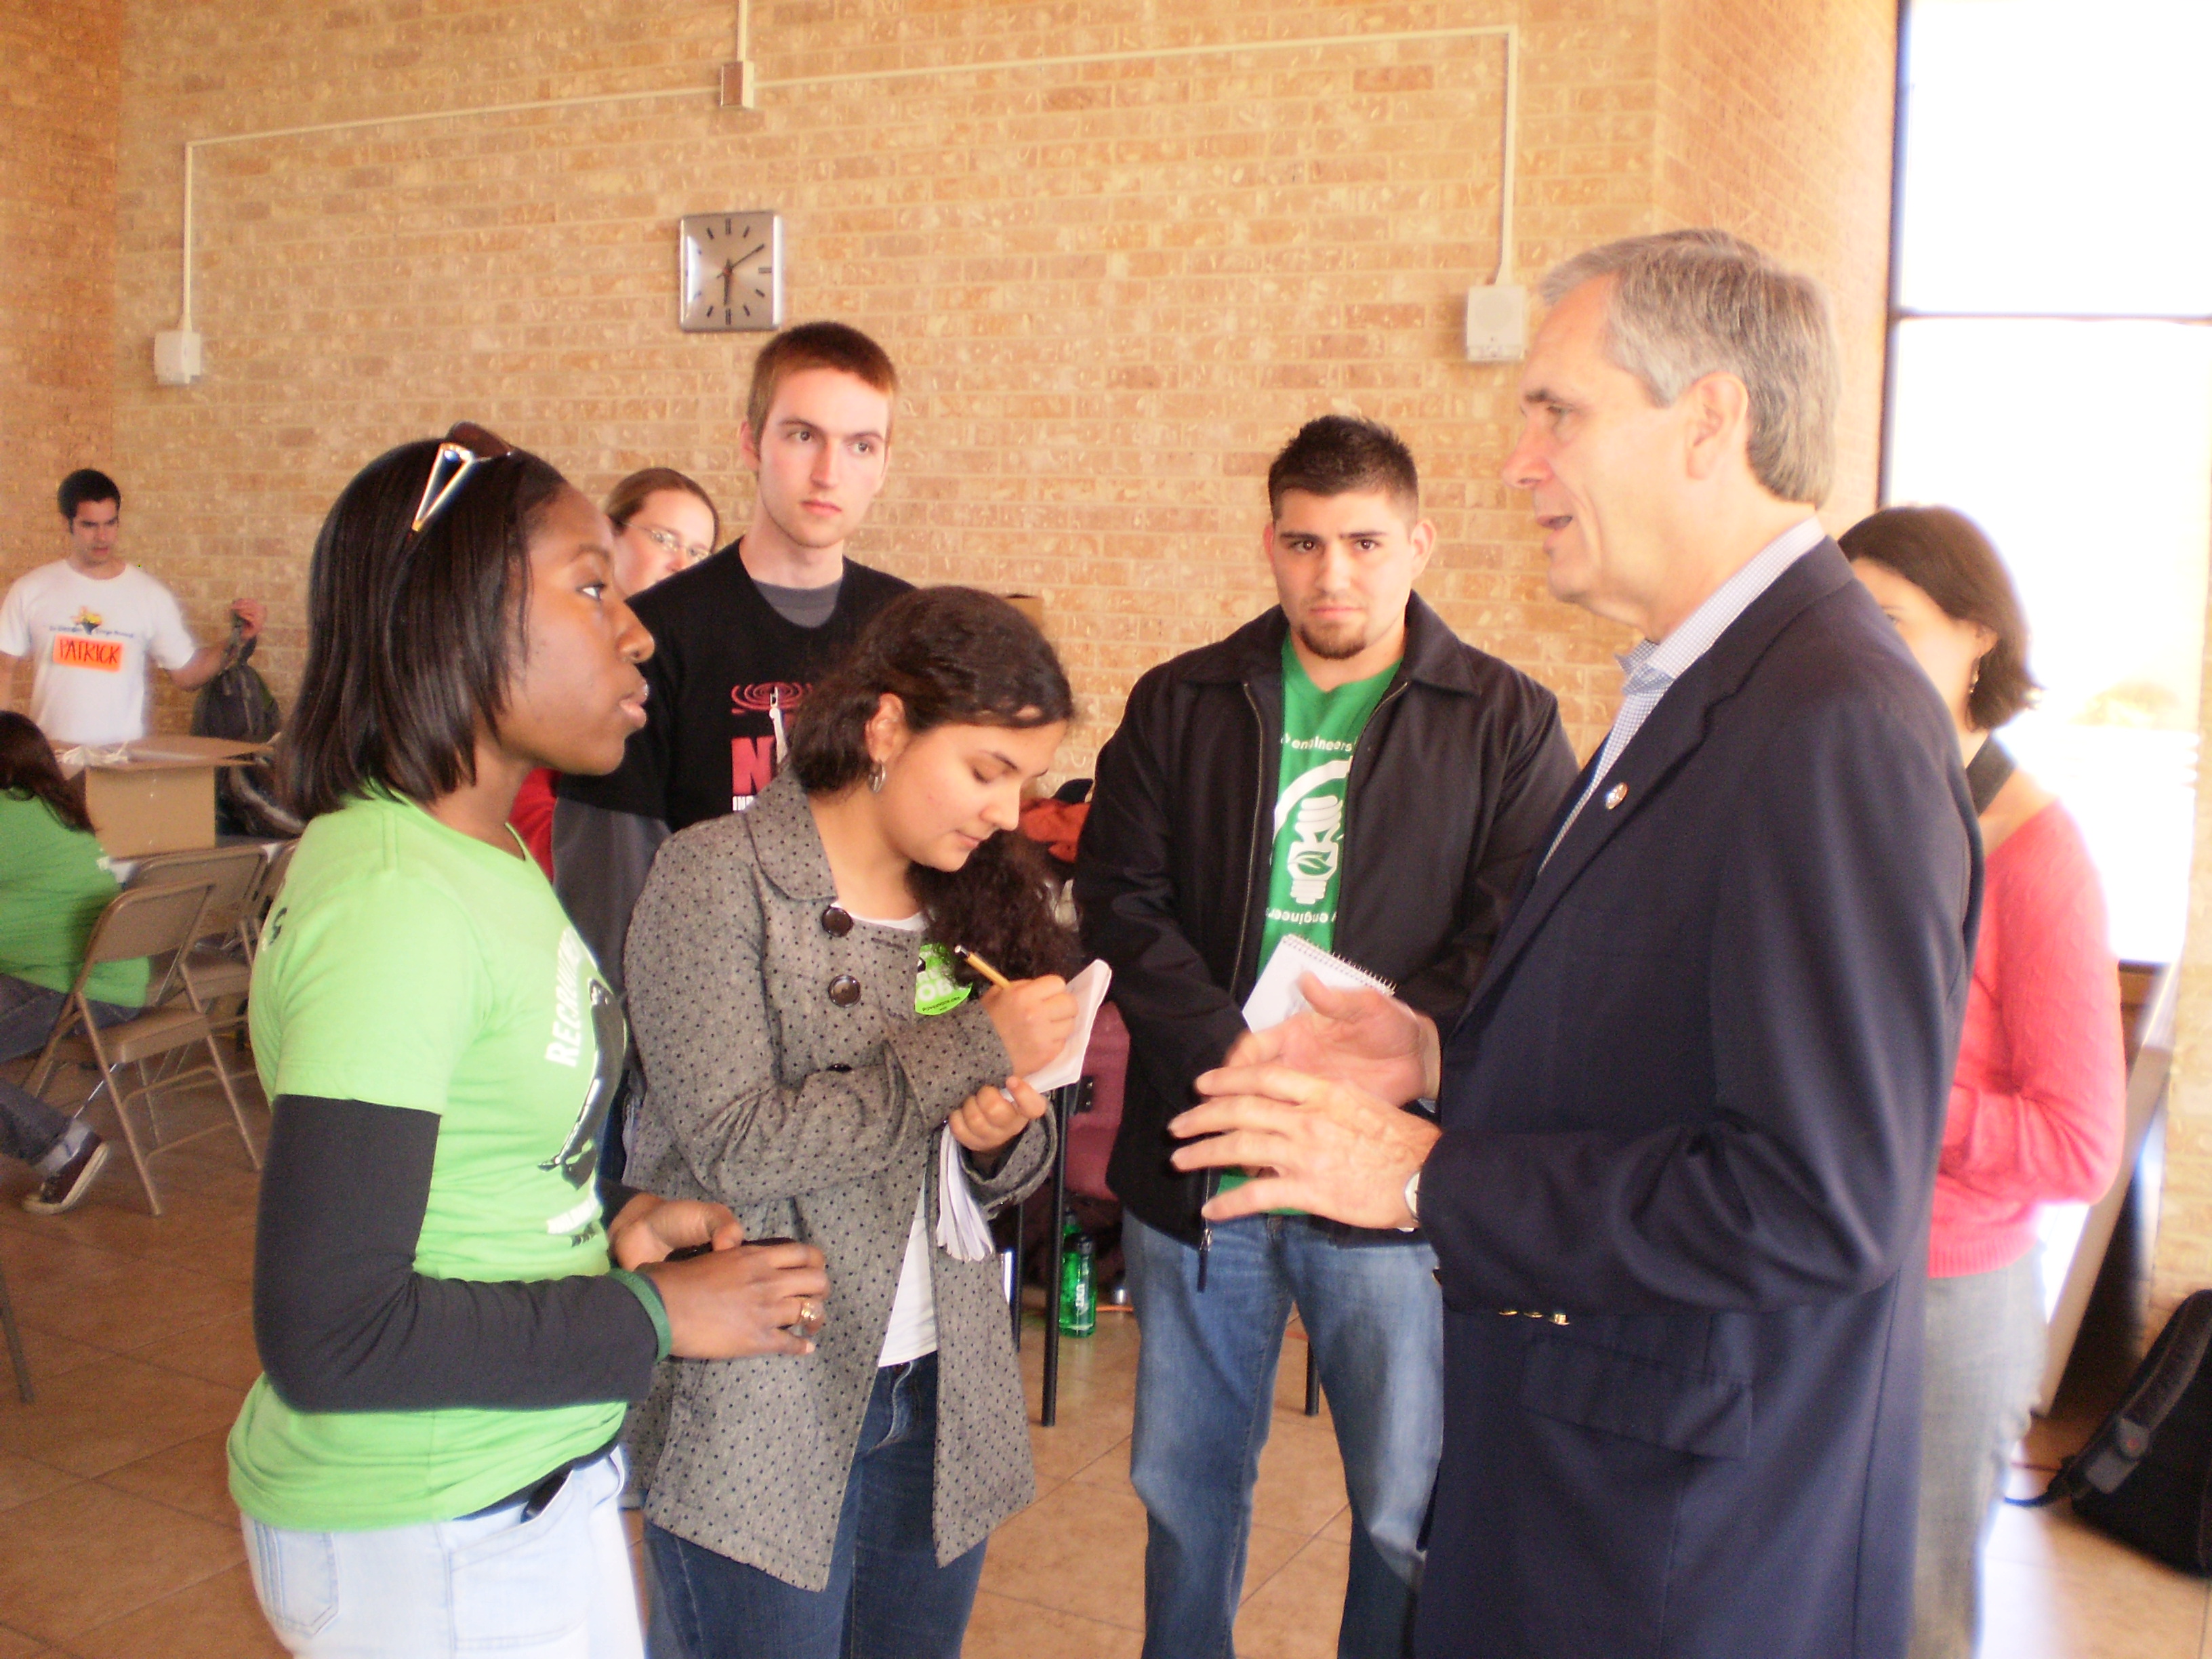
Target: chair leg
x=148, y=1083
x=36, y=1082
x=23, y=1388
x=230, y=1094
x=122, y=1102
x=1313, y=1380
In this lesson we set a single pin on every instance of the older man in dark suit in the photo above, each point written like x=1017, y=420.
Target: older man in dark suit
x=1688, y=1124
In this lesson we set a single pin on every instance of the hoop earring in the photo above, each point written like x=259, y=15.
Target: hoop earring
x=876, y=777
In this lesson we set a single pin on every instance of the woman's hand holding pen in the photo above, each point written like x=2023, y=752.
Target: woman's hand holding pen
x=1033, y=1018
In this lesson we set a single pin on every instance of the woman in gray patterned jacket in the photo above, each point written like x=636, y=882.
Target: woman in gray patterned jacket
x=811, y=1042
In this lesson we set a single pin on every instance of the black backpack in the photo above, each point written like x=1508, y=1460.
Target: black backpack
x=2146, y=1475
x=238, y=704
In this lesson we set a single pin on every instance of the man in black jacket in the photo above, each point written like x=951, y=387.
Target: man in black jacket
x=1344, y=770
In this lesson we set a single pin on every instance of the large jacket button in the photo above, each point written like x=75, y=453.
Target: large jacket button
x=835, y=921
x=845, y=990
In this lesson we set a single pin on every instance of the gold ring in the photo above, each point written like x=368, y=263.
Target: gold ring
x=810, y=1317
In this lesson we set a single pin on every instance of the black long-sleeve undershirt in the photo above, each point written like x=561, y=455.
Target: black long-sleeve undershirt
x=343, y=1321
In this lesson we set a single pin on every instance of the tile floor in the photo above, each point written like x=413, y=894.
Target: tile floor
x=117, y=1539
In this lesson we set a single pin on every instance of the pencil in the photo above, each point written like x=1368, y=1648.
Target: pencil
x=980, y=965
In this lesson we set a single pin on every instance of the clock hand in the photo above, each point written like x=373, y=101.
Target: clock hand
x=749, y=252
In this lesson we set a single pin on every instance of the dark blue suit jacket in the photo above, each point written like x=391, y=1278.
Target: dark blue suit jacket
x=1691, y=1120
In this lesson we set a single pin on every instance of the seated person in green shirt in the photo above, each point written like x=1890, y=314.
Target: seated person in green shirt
x=54, y=883
x=428, y=1463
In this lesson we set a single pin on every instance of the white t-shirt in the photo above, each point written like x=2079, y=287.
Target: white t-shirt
x=913, y=1330
x=88, y=639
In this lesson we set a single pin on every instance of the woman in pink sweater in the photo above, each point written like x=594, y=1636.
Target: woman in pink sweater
x=2037, y=1106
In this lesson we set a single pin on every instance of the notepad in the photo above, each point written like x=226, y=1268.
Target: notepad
x=1090, y=988
x=963, y=1229
x=1276, y=996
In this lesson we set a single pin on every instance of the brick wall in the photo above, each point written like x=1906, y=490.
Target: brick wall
x=1775, y=120
x=57, y=133
x=1113, y=289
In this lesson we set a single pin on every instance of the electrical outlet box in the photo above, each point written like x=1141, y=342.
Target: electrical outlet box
x=176, y=356
x=1497, y=324
x=740, y=86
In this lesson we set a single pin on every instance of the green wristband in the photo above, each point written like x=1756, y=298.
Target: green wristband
x=648, y=1296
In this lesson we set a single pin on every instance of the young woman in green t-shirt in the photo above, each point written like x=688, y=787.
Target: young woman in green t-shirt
x=54, y=883
x=427, y=1464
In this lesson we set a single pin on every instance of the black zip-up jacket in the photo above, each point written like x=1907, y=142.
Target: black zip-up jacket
x=1457, y=781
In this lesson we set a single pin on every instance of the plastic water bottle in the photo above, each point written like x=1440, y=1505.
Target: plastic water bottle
x=1079, y=1262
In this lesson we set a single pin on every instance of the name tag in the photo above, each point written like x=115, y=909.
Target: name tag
x=82, y=651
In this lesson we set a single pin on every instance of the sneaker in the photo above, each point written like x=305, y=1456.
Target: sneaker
x=66, y=1187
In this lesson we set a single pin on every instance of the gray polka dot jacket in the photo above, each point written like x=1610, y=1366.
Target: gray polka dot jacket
x=789, y=1077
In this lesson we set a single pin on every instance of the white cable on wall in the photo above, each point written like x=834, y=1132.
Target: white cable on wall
x=1505, y=32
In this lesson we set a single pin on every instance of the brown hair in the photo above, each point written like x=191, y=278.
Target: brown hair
x=952, y=656
x=28, y=771
x=1944, y=554
x=626, y=497
x=816, y=345
x=1340, y=455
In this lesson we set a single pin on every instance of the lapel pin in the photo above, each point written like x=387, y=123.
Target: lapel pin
x=1615, y=795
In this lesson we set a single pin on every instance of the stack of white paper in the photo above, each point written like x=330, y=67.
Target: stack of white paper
x=962, y=1227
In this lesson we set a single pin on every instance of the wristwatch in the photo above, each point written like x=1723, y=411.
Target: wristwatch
x=1414, y=1201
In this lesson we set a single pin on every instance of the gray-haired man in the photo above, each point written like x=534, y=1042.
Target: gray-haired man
x=1681, y=1188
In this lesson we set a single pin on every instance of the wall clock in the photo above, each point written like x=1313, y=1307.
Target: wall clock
x=731, y=271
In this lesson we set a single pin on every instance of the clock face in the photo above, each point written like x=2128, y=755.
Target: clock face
x=732, y=271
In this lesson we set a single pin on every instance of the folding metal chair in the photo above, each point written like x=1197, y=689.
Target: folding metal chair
x=160, y=922
x=218, y=966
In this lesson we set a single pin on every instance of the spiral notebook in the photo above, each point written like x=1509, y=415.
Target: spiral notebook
x=1276, y=997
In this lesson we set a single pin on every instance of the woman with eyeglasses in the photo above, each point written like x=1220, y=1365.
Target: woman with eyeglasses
x=427, y=1465
x=664, y=523
x=2037, y=1109
x=821, y=1061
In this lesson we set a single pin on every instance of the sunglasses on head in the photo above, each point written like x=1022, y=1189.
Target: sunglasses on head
x=466, y=448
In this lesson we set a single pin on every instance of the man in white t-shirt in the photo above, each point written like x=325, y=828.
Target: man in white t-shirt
x=91, y=623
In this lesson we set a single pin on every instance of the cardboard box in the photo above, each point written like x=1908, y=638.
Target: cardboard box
x=159, y=796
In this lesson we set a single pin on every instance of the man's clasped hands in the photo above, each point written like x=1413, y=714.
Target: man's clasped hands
x=1315, y=1107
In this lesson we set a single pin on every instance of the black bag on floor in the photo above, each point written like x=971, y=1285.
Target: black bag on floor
x=2146, y=1475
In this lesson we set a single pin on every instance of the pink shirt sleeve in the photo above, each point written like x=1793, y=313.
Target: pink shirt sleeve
x=2038, y=1105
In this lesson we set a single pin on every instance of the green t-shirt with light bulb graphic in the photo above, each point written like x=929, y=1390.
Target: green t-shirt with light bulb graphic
x=1312, y=788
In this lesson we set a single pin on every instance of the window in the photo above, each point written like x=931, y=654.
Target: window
x=2051, y=375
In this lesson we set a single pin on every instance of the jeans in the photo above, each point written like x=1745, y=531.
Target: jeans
x=31, y=1130
x=1205, y=1396
x=887, y=1598
x=557, y=1586
x=1984, y=1356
